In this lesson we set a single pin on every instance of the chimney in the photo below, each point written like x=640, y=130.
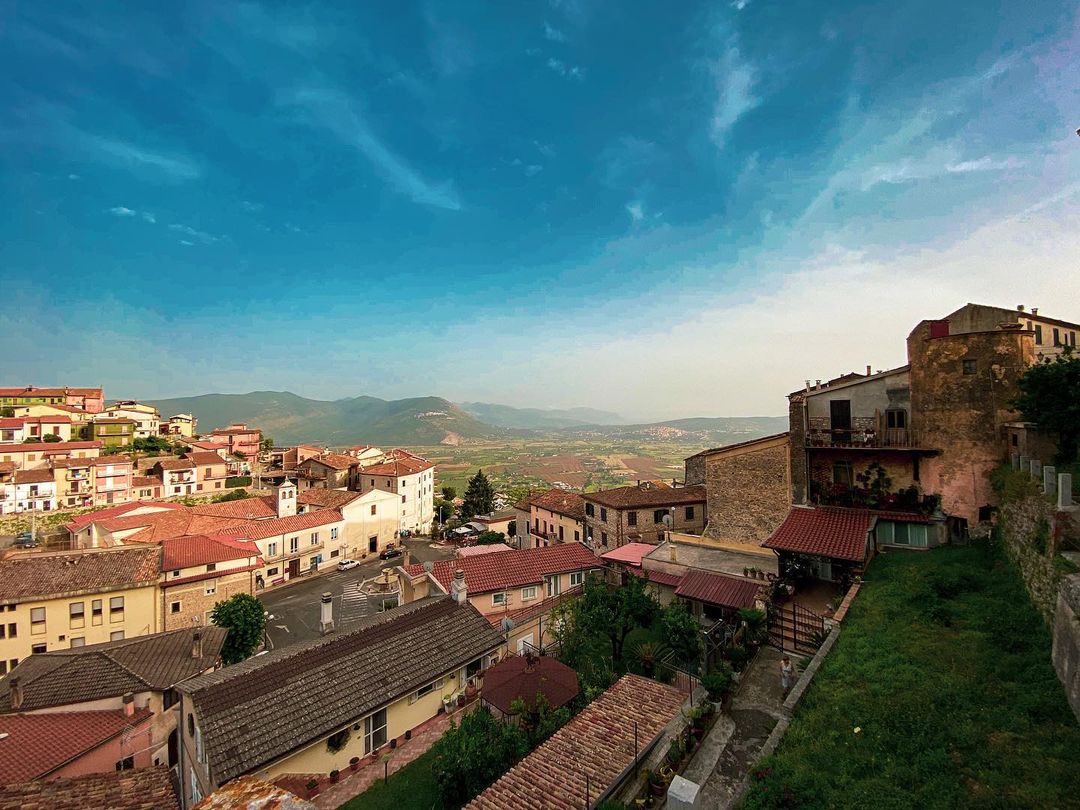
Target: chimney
x=406, y=556
x=1019, y=307
x=129, y=704
x=326, y=613
x=867, y=369
x=673, y=554
x=808, y=386
x=1034, y=310
x=16, y=692
x=458, y=589
x=196, y=644
x=817, y=385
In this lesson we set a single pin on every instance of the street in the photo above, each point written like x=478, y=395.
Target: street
x=294, y=608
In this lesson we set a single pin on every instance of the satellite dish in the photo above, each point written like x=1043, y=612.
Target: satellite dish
x=507, y=624
x=429, y=566
x=667, y=520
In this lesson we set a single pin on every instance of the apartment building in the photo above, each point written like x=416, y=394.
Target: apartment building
x=23, y=429
x=56, y=600
x=1050, y=335
x=74, y=479
x=325, y=471
x=113, y=431
x=239, y=439
x=91, y=400
x=80, y=419
x=35, y=490
x=38, y=455
x=147, y=419
x=409, y=477
x=183, y=425
x=113, y=476
x=198, y=571
x=555, y=516
x=642, y=513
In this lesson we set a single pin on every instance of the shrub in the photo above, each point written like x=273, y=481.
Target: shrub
x=718, y=682
x=238, y=481
x=472, y=755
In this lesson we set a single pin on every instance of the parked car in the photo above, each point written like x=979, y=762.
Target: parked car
x=25, y=540
x=390, y=552
x=346, y=565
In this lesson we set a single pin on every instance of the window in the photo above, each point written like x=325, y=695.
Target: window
x=373, y=509
x=333, y=533
x=425, y=690
x=211, y=567
x=560, y=533
x=658, y=515
x=689, y=513
x=589, y=509
x=314, y=538
x=631, y=518
x=576, y=578
x=38, y=648
x=842, y=473
x=196, y=794
x=901, y=534
x=1038, y=334
x=603, y=538
x=13, y=630
x=76, y=614
x=374, y=731
x=577, y=536
x=116, y=609
x=37, y=621
x=95, y=612
x=271, y=549
x=335, y=742
x=498, y=599
x=1057, y=337
x=335, y=553
x=176, y=490
x=211, y=589
x=174, y=607
x=403, y=499
x=78, y=641
x=551, y=585
x=970, y=367
x=294, y=545
x=271, y=572
x=1015, y=440
x=603, y=514
x=896, y=419
x=116, y=635
x=125, y=764
x=528, y=593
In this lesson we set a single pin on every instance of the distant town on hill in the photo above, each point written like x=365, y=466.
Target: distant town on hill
x=290, y=418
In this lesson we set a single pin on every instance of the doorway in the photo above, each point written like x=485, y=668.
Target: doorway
x=294, y=568
x=840, y=420
x=373, y=544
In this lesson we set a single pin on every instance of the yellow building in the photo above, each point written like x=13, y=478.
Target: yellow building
x=374, y=684
x=58, y=600
x=555, y=516
x=184, y=425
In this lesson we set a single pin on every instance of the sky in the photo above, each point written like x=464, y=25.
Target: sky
x=659, y=209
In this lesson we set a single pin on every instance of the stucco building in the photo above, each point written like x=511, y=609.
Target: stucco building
x=147, y=419
x=409, y=477
x=91, y=400
x=198, y=571
x=238, y=439
x=371, y=519
x=555, y=516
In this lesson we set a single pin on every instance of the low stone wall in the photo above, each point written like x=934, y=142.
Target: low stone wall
x=1066, y=649
x=1031, y=531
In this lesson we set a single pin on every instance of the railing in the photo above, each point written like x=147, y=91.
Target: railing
x=864, y=432
x=78, y=476
x=791, y=626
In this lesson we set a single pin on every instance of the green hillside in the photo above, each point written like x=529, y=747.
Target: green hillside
x=539, y=418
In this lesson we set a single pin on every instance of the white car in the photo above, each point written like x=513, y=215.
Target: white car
x=345, y=565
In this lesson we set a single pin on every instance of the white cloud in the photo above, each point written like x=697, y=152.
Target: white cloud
x=121, y=211
x=187, y=230
x=735, y=80
x=148, y=217
x=186, y=243
x=545, y=149
x=73, y=177
x=985, y=164
x=636, y=210
x=564, y=69
x=553, y=34
x=739, y=5
x=174, y=166
x=337, y=113
x=532, y=170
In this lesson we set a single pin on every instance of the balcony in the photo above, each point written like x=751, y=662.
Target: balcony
x=865, y=432
x=77, y=476
x=83, y=490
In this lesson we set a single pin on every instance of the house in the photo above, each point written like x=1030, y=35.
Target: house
x=747, y=487
x=326, y=471
x=211, y=471
x=79, y=419
x=91, y=400
x=642, y=513
x=1051, y=335
x=74, y=481
x=38, y=455
x=371, y=519
x=555, y=516
x=147, y=419
x=289, y=458
x=211, y=447
x=177, y=476
x=183, y=425
x=520, y=585
x=23, y=429
x=35, y=490
x=409, y=477
x=132, y=675
x=56, y=600
x=598, y=751
x=112, y=479
x=375, y=683
x=137, y=789
x=501, y=521
x=73, y=743
x=198, y=571
x=240, y=440
x=7, y=488
x=146, y=488
x=113, y=431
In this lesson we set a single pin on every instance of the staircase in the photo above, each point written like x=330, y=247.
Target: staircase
x=795, y=628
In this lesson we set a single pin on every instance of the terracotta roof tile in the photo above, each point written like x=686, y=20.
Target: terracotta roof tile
x=327, y=498
x=512, y=569
x=649, y=495
x=598, y=744
x=103, y=461
x=259, y=529
x=249, y=508
x=522, y=677
x=204, y=458
x=200, y=549
x=559, y=501
x=718, y=589
x=400, y=463
x=143, y=481
x=34, y=391
x=824, y=531
x=139, y=789
x=251, y=793
x=34, y=476
x=34, y=576
x=53, y=447
x=176, y=464
x=630, y=554
x=34, y=745
x=337, y=461
x=660, y=577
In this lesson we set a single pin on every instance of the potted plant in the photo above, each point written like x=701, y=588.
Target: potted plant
x=393, y=743
x=354, y=763
x=657, y=786
x=461, y=699
x=408, y=734
x=312, y=788
x=718, y=684
x=334, y=774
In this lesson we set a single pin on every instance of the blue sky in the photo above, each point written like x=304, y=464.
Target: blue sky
x=660, y=209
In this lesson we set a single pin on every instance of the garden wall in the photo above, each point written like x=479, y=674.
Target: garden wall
x=1031, y=530
x=1066, y=649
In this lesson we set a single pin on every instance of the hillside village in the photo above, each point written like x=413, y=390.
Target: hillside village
x=216, y=621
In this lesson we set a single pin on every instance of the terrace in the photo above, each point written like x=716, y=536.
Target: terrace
x=860, y=432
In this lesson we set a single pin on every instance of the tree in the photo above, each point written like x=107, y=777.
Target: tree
x=540, y=720
x=449, y=493
x=479, y=497
x=1050, y=397
x=235, y=495
x=614, y=612
x=444, y=509
x=472, y=755
x=51, y=438
x=245, y=618
x=266, y=444
x=490, y=538
x=682, y=633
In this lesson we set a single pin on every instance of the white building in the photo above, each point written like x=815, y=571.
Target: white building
x=146, y=417
x=34, y=490
x=409, y=477
x=371, y=518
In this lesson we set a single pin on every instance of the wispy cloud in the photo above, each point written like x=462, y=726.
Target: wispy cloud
x=122, y=211
x=73, y=177
x=553, y=34
x=128, y=155
x=449, y=47
x=545, y=149
x=338, y=114
x=985, y=164
x=564, y=69
x=533, y=169
x=636, y=210
x=735, y=82
x=739, y=5
x=148, y=217
x=187, y=230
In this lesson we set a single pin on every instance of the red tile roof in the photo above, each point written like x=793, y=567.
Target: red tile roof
x=256, y=508
x=143, y=481
x=661, y=577
x=259, y=529
x=512, y=569
x=336, y=461
x=405, y=464
x=139, y=789
x=718, y=589
x=34, y=391
x=560, y=502
x=598, y=744
x=203, y=458
x=33, y=476
x=824, y=531
x=34, y=745
x=233, y=431
x=200, y=549
x=36, y=576
x=647, y=494
x=86, y=519
x=19, y=421
x=523, y=677
x=65, y=463
x=54, y=447
x=330, y=498
x=104, y=461
x=630, y=554
x=176, y=464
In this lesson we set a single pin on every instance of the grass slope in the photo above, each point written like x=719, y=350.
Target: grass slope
x=944, y=665
x=412, y=788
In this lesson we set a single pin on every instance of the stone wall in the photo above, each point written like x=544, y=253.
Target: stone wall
x=797, y=448
x=748, y=490
x=1031, y=530
x=1066, y=650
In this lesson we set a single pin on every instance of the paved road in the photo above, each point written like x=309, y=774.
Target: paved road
x=294, y=608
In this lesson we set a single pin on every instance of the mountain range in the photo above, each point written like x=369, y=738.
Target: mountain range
x=290, y=419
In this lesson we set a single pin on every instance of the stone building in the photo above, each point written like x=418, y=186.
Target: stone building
x=747, y=487
x=636, y=514
x=1050, y=335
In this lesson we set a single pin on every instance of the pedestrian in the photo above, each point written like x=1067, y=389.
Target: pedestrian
x=787, y=674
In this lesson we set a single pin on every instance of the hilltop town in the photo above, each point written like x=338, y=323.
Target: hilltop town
x=202, y=619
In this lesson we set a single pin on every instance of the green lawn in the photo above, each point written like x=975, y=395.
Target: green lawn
x=944, y=667
x=412, y=788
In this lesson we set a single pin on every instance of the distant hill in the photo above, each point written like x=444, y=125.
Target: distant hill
x=539, y=418
x=709, y=431
x=291, y=419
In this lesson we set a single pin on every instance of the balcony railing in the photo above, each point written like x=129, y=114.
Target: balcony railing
x=864, y=432
x=77, y=476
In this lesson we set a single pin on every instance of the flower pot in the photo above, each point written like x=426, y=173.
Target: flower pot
x=657, y=789
x=354, y=763
x=334, y=775
x=461, y=700
x=393, y=743
x=312, y=789
x=408, y=734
